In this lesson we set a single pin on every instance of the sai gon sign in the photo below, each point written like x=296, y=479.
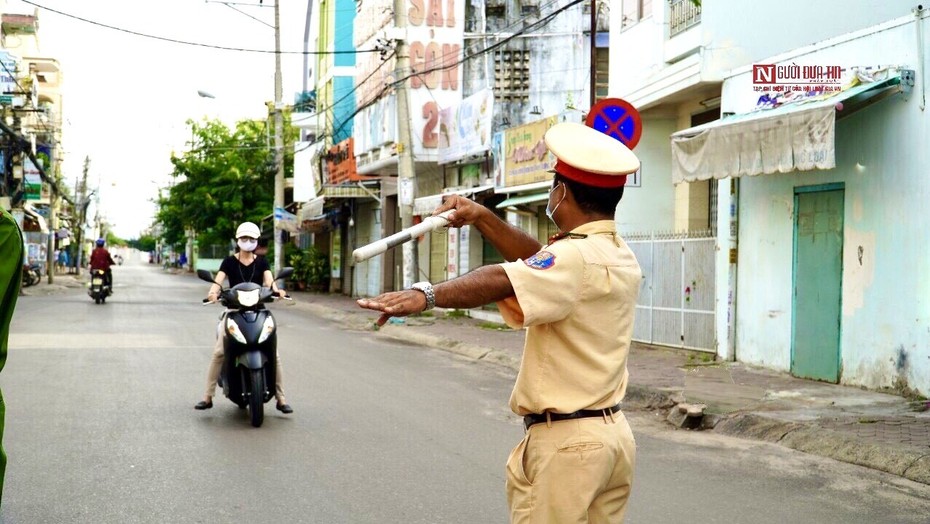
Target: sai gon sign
x=435, y=30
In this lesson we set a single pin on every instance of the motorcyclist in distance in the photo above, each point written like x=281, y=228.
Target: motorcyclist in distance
x=100, y=259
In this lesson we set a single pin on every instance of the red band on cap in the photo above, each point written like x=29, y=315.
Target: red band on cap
x=588, y=178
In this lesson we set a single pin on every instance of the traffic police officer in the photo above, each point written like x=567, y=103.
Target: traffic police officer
x=11, y=277
x=576, y=296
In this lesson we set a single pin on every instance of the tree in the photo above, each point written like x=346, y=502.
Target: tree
x=144, y=243
x=226, y=178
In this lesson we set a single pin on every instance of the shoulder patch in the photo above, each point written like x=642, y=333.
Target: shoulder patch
x=541, y=260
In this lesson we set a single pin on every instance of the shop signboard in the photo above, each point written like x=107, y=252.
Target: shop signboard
x=465, y=129
x=526, y=158
x=340, y=164
x=7, y=79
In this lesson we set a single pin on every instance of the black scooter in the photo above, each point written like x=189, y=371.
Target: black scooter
x=99, y=287
x=249, y=344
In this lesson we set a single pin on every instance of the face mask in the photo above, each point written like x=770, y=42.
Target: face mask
x=550, y=213
x=248, y=245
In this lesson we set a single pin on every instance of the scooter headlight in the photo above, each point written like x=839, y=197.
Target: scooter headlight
x=267, y=330
x=247, y=298
x=234, y=332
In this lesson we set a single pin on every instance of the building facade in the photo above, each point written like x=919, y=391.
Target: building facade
x=797, y=203
x=30, y=168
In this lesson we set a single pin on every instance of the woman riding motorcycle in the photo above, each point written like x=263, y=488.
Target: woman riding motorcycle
x=243, y=266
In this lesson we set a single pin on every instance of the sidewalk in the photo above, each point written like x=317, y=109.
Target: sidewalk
x=881, y=431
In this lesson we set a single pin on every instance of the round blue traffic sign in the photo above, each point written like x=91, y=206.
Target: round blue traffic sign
x=616, y=118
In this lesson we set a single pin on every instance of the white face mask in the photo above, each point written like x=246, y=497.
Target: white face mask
x=550, y=213
x=248, y=245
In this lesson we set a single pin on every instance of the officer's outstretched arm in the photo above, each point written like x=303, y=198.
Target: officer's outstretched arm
x=512, y=242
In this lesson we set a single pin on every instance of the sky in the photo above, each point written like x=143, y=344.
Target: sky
x=126, y=98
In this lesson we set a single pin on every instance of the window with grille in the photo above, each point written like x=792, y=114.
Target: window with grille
x=602, y=74
x=683, y=15
x=511, y=75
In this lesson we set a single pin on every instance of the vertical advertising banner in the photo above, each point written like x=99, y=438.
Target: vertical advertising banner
x=452, y=255
x=497, y=158
x=464, y=252
x=33, y=180
x=526, y=158
x=306, y=185
x=435, y=30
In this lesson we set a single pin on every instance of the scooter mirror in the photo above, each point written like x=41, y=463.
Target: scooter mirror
x=285, y=272
x=203, y=274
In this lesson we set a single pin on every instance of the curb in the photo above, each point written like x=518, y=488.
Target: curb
x=912, y=465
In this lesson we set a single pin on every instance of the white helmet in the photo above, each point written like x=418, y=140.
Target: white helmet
x=248, y=229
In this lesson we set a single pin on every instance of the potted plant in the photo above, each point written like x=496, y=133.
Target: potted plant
x=311, y=269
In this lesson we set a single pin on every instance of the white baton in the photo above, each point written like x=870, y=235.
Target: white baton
x=380, y=246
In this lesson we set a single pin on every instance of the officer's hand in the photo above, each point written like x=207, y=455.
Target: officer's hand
x=466, y=212
x=395, y=304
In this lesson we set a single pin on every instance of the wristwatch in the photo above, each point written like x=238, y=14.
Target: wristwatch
x=427, y=290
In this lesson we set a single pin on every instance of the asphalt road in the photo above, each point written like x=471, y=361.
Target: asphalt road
x=101, y=429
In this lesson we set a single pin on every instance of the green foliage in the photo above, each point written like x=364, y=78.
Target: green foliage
x=225, y=179
x=113, y=240
x=311, y=266
x=143, y=243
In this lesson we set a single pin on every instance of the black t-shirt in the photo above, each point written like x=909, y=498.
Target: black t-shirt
x=238, y=273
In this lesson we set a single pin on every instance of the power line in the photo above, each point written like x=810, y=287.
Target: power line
x=388, y=87
x=542, y=21
x=197, y=44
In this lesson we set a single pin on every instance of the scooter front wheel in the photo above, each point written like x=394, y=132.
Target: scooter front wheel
x=257, y=398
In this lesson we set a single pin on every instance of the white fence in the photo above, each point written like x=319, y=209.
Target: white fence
x=676, y=300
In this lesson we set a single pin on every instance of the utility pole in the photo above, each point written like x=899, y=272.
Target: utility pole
x=53, y=227
x=406, y=177
x=82, y=214
x=593, y=52
x=278, y=144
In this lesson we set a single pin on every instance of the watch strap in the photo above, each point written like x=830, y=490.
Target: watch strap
x=427, y=289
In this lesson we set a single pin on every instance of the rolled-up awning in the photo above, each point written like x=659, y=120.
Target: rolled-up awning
x=796, y=136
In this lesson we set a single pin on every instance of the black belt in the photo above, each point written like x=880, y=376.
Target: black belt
x=534, y=418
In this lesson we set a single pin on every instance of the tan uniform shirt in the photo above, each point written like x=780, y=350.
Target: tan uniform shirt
x=577, y=297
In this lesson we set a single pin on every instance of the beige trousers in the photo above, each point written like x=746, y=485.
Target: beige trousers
x=216, y=365
x=572, y=471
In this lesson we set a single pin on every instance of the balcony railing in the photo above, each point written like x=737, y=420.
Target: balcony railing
x=684, y=14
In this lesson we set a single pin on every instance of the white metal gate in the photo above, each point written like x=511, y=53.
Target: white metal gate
x=676, y=300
